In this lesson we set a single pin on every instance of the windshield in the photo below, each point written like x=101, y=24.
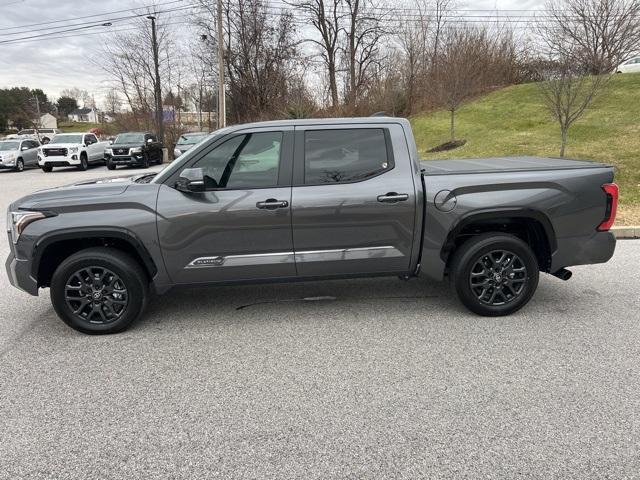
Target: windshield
x=9, y=146
x=130, y=138
x=67, y=138
x=191, y=138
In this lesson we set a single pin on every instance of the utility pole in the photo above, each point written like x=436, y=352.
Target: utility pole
x=157, y=89
x=222, y=113
x=37, y=122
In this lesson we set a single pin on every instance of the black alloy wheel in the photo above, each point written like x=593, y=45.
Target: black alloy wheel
x=498, y=277
x=96, y=295
x=494, y=273
x=99, y=290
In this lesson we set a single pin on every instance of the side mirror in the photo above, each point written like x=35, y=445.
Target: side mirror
x=24, y=147
x=110, y=142
x=149, y=140
x=191, y=180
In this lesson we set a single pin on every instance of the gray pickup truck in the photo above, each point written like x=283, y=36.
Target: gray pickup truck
x=310, y=199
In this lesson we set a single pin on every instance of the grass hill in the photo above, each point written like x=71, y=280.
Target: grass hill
x=514, y=121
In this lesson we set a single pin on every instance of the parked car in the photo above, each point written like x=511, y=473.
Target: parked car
x=187, y=141
x=43, y=135
x=18, y=154
x=630, y=66
x=134, y=149
x=311, y=199
x=71, y=150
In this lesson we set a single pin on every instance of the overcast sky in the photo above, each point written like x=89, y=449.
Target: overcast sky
x=55, y=64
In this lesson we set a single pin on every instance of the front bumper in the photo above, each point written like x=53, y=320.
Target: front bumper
x=71, y=161
x=19, y=272
x=7, y=166
x=126, y=160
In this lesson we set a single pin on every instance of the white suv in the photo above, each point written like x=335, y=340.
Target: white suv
x=71, y=150
x=43, y=135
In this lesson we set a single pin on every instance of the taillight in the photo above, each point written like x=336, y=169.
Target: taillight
x=611, y=189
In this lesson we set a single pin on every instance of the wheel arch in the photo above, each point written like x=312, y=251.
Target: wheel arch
x=532, y=226
x=53, y=248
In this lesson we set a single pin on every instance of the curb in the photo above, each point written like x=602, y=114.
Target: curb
x=626, y=232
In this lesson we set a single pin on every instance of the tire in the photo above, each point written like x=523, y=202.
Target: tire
x=84, y=163
x=488, y=286
x=19, y=165
x=145, y=160
x=111, y=165
x=122, y=295
x=47, y=168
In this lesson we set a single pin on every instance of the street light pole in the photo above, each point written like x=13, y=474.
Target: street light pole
x=222, y=114
x=157, y=87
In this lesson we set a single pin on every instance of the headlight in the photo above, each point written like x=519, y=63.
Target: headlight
x=18, y=221
x=8, y=157
x=73, y=150
x=136, y=150
x=108, y=151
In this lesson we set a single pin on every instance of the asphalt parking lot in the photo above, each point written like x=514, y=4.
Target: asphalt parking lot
x=373, y=378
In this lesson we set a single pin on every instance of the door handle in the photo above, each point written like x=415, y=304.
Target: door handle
x=393, y=197
x=272, y=204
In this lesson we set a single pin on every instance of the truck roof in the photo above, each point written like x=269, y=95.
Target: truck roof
x=317, y=121
x=503, y=164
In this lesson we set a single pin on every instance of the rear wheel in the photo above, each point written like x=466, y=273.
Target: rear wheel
x=99, y=290
x=494, y=274
x=19, y=165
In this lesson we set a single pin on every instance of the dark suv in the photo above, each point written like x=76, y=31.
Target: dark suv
x=138, y=149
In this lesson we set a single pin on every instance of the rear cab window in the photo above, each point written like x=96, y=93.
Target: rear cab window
x=345, y=155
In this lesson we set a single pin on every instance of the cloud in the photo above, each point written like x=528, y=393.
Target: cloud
x=56, y=64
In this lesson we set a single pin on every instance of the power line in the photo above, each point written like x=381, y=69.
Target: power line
x=93, y=25
x=91, y=16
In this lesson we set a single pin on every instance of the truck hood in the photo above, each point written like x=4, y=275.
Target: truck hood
x=60, y=145
x=127, y=145
x=69, y=194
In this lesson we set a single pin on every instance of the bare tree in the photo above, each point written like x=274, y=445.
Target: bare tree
x=326, y=17
x=568, y=94
x=413, y=39
x=598, y=34
x=112, y=101
x=82, y=97
x=458, y=76
x=364, y=34
x=128, y=59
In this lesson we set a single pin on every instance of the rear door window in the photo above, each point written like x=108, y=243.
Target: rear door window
x=345, y=155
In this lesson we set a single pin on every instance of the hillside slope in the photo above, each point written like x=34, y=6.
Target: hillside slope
x=514, y=121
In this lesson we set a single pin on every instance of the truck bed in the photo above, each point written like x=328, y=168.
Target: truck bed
x=503, y=164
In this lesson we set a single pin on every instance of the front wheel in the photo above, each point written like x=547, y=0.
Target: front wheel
x=111, y=165
x=99, y=290
x=19, y=165
x=494, y=274
x=47, y=168
x=84, y=163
